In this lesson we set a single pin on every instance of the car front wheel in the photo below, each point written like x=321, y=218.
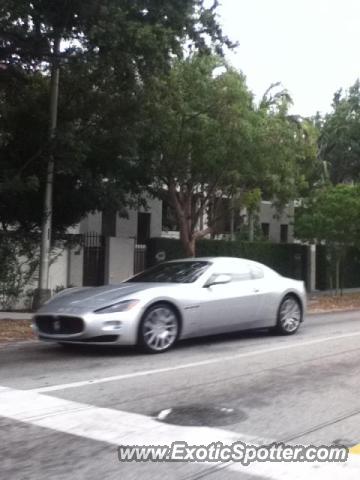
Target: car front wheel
x=289, y=316
x=159, y=328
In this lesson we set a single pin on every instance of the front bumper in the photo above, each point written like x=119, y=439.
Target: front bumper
x=91, y=328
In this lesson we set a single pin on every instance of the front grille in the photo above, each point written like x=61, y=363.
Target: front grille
x=59, y=324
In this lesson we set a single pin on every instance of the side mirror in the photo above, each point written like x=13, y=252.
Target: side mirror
x=221, y=279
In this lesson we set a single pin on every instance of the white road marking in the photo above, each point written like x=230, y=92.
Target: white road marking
x=123, y=428
x=105, y=424
x=202, y=363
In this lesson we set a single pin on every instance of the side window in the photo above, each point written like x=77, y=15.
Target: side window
x=216, y=274
x=238, y=272
x=240, y=277
x=256, y=272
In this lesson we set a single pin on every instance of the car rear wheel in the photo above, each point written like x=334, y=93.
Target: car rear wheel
x=159, y=328
x=289, y=316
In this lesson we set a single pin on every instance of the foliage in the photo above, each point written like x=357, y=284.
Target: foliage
x=250, y=232
x=287, y=150
x=109, y=50
x=326, y=268
x=339, y=143
x=141, y=33
x=92, y=170
x=19, y=262
x=331, y=216
x=201, y=116
x=251, y=200
x=210, y=143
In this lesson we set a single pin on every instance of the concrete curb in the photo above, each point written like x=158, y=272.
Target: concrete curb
x=335, y=310
x=17, y=343
x=15, y=316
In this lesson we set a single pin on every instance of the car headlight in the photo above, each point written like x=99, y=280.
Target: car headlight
x=118, y=307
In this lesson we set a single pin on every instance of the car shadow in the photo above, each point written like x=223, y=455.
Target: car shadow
x=225, y=338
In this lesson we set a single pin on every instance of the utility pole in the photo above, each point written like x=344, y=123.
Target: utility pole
x=43, y=293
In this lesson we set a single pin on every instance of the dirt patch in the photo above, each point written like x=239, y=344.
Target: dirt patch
x=333, y=303
x=15, y=331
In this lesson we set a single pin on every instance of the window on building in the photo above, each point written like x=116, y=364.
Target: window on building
x=143, y=228
x=108, y=226
x=265, y=227
x=284, y=233
x=219, y=216
x=169, y=222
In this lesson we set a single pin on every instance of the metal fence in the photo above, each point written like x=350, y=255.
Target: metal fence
x=94, y=259
x=139, y=258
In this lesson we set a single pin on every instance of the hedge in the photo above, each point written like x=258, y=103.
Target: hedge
x=288, y=259
x=325, y=269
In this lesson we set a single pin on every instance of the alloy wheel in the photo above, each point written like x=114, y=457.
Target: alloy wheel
x=160, y=328
x=289, y=315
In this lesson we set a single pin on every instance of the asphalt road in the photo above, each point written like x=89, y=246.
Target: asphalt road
x=64, y=412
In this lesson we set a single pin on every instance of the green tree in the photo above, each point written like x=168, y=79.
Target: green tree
x=143, y=34
x=122, y=42
x=339, y=143
x=108, y=51
x=209, y=143
x=284, y=162
x=287, y=149
x=331, y=216
x=201, y=114
x=95, y=148
x=109, y=47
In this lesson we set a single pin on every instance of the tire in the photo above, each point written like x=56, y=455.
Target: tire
x=289, y=316
x=159, y=328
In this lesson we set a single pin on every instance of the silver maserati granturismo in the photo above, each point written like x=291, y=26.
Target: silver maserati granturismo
x=172, y=301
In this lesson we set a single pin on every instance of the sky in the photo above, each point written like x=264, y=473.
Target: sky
x=311, y=46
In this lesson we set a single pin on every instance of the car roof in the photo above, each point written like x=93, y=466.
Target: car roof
x=196, y=259
x=213, y=259
x=219, y=260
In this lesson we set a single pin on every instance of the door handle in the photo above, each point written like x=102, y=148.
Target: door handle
x=256, y=290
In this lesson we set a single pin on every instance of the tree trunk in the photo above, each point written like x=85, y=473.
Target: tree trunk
x=337, y=275
x=182, y=205
x=232, y=220
x=189, y=246
x=251, y=227
x=185, y=216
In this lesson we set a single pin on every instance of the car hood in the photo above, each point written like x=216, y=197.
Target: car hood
x=87, y=299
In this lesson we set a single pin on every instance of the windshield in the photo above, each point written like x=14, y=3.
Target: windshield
x=173, y=272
